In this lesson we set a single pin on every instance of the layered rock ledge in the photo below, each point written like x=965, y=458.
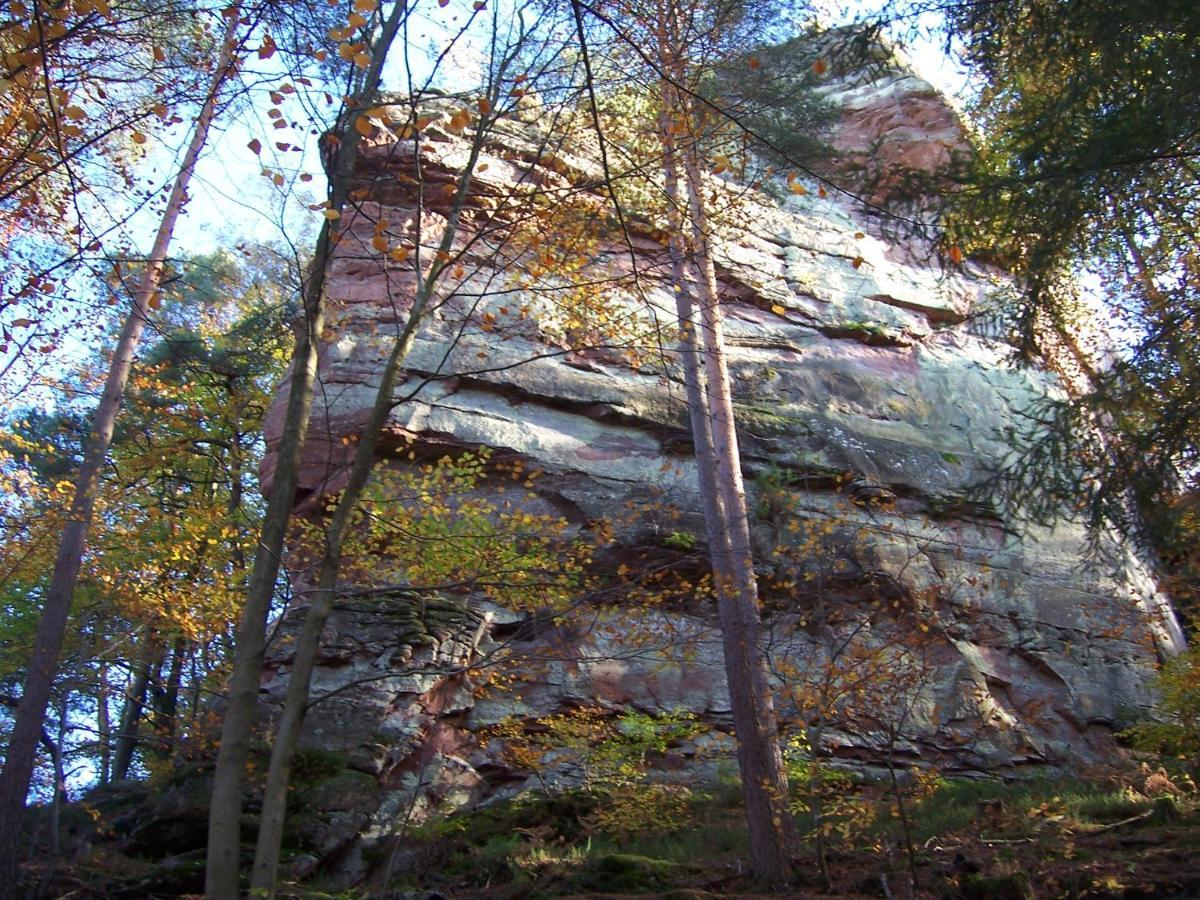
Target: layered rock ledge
x=871, y=403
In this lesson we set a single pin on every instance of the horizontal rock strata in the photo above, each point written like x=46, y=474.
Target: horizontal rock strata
x=870, y=405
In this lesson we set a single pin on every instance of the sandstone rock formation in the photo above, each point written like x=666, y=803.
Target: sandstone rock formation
x=871, y=401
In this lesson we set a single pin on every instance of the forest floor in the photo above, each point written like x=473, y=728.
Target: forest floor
x=970, y=839
x=1130, y=834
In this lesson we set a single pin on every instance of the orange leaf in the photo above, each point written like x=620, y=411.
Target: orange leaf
x=956, y=254
x=820, y=67
x=159, y=55
x=399, y=254
x=485, y=106
x=138, y=138
x=379, y=242
x=799, y=189
x=779, y=310
x=363, y=126
x=332, y=215
x=857, y=261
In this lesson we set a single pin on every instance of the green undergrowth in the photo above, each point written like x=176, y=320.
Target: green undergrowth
x=565, y=845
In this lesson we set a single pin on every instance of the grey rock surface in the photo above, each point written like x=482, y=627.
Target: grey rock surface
x=869, y=407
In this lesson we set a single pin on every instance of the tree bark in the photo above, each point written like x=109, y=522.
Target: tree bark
x=43, y=662
x=223, y=864
x=773, y=837
x=287, y=732
x=131, y=713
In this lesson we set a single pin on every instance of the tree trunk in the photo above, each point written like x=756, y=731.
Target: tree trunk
x=224, y=822
x=131, y=712
x=773, y=837
x=103, y=726
x=287, y=732
x=166, y=702
x=43, y=662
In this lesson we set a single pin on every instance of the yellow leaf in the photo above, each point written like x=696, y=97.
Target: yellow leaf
x=379, y=242
x=399, y=254
x=332, y=215
x=858, y=235
x=779, y=310
x=799, y=189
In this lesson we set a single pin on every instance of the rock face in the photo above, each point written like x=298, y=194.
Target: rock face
x=904, y=614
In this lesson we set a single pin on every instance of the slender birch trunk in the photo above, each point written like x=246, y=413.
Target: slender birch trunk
x=43, y=662
x=223, y=864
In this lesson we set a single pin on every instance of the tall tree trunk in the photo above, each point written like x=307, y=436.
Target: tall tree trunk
x=224, y=823
x=287, y=732
x=43, y=662
x=773, y=837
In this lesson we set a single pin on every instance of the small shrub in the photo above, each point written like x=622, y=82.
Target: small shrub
x=635, y=810
x=680, y=540
x=1178, y=734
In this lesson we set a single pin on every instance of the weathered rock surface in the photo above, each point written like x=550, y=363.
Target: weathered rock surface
x=870, y=405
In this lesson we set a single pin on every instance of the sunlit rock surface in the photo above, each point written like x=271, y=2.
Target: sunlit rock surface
x=870, y=402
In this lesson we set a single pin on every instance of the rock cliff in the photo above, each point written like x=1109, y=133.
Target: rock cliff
x=871, y=402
